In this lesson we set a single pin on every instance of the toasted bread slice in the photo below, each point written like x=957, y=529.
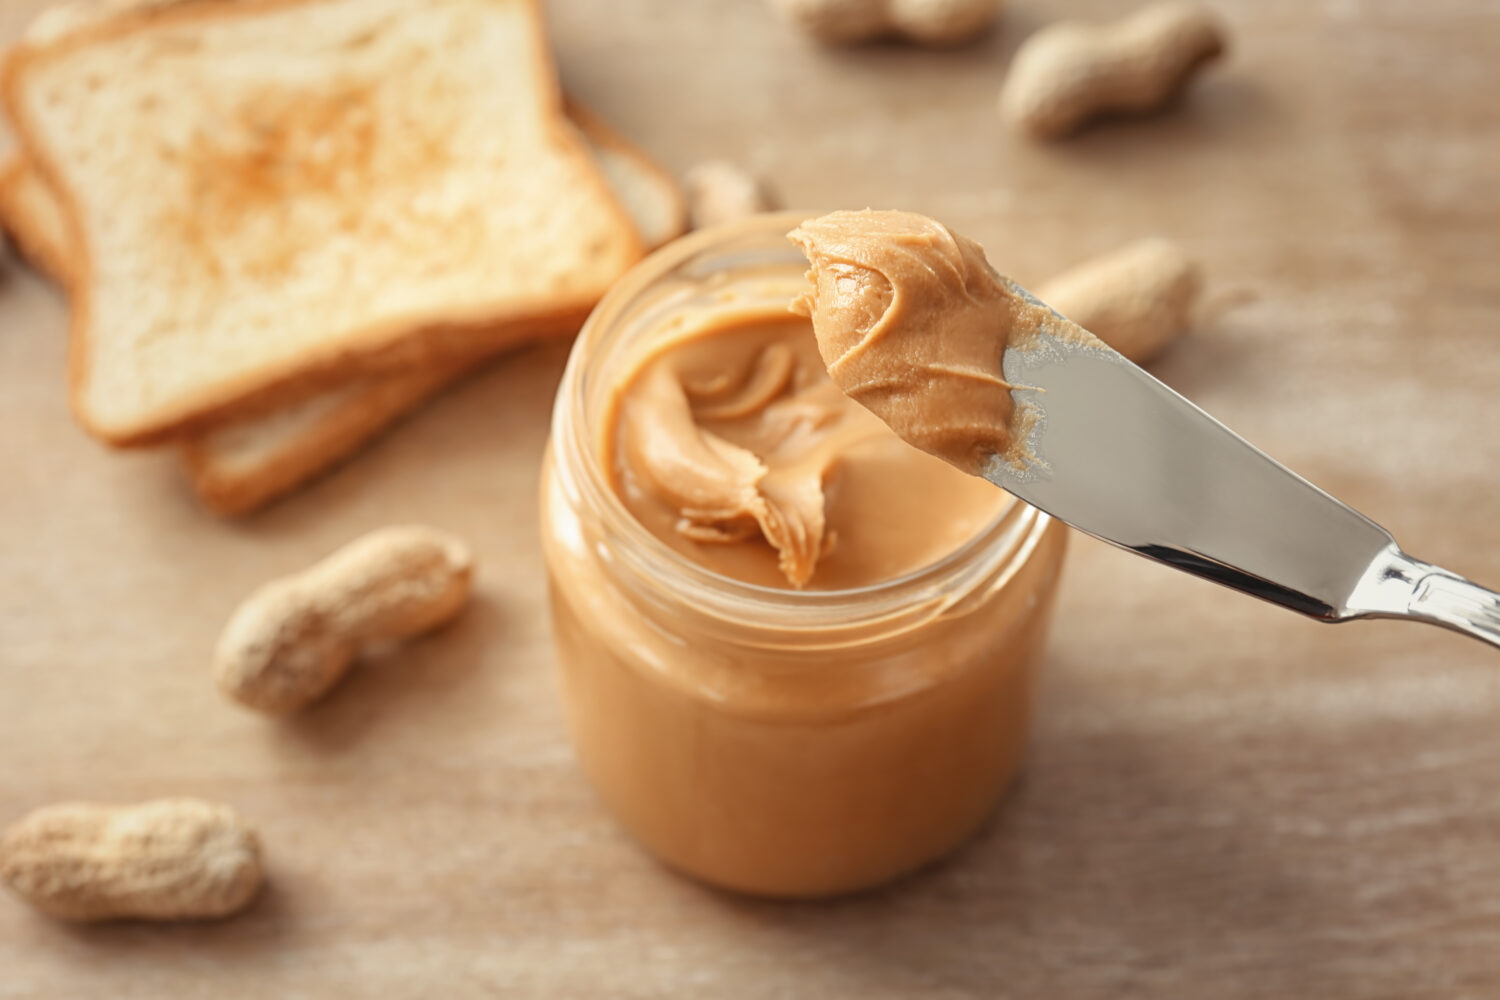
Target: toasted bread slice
x=269, y=194
x=243, y=464
x=240, y=465
x=649, y=194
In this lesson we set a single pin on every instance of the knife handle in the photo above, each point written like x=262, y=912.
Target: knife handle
x=1397, y=586
x=1445, y=598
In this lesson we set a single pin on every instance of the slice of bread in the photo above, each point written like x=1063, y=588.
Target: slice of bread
x=240, y=465
x=269, y=194
x=244, y=463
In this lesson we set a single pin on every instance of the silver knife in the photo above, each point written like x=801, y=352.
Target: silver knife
x=1187, y=491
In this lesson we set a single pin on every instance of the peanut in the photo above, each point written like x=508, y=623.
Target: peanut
x=295, y=637
x=928, y=22
x=1137, y=299
x=718, y=191
x=1069, y=72
x=170, y=859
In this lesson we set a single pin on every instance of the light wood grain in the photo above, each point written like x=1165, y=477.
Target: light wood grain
x=1222, y=801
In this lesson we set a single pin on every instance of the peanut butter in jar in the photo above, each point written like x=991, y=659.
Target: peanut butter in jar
x=796, y=654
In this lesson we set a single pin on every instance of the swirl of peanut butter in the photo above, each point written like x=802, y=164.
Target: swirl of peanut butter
x=911, y=322
x=737, y=434
x=728, y=441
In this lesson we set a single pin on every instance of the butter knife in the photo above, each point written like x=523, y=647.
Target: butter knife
x=1120, y=456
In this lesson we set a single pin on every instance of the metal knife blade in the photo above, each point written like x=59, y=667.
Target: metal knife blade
x=1117, y=454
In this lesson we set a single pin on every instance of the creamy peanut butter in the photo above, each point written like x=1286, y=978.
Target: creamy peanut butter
x=776, y=740
x=732, y=445
x=912, y=322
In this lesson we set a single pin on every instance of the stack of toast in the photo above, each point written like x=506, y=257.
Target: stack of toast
x=281, y=224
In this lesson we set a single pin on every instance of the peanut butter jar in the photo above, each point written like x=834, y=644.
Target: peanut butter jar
x=780, y=742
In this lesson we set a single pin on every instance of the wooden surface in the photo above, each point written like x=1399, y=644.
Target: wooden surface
x=1223, y=800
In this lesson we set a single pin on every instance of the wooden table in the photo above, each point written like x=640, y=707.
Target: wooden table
x=1223, y=800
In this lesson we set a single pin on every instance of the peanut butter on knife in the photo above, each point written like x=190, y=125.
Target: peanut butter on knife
x=912, y=321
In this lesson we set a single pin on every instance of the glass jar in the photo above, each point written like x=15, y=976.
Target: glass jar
x=776, y=742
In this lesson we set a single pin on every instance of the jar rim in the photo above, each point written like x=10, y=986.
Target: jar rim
x=1003, y=545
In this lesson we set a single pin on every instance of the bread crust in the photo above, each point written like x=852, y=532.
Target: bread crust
x=36, y=241
x=399, y=343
